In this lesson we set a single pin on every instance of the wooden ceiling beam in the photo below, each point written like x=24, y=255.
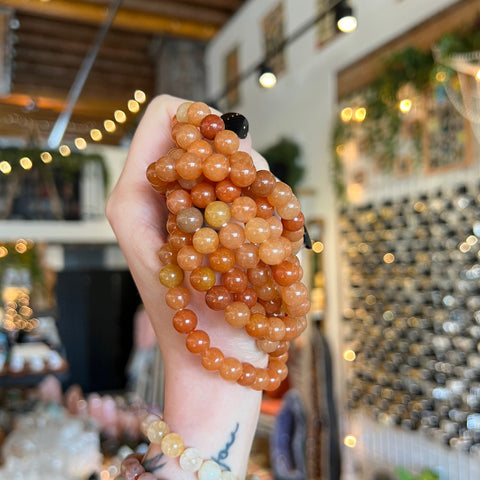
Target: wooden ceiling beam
x=177, y=10
x=126, y=19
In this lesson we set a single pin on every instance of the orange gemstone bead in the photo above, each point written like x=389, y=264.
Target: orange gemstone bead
x=217, y=214
x=200, y=148
x=295, y=223
x=290, y=209
x=196, y=112
x=212, y=359
x=247, y=255
x=189, y=166
x=177, y=297
x=222, y=260
x=165, y=169
x=188, y=258
x=264, y=183
x=261, y=380
x=185, y=321
x=276, y=329
x=237, y=314
x=264, y=208
x=257, y=325
x=291, y=331
x=281, y=194
x=267, y=346
x=226, y=191
x=278, y=367
x=202, y=194
x=274, y=380
x=189, y=219
x=243, y=209
x=216, y=167
x=182, y=110
x=242, y=171
x=178, y=200
x=179, y=240
x=186, y=134
x=257, y=230
x=218, y=297
x=272, y=251
x=226, y=142
x=231, y=369
x=248, y=297
x=231, y=236
x=293, y=235
x=259, y=275
x=171, y=276
x=295, y=294
x=235, y=280
x=202, y=278
x=166, y=255
x=248, y=375
x=198, y=342
x=285, y=273
x=267, y=291
x=211, y=125
x=205, y=240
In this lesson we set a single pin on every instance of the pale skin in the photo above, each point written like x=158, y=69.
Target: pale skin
x=215, y=416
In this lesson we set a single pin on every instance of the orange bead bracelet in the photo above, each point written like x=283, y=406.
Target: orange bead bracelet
x=237, y=231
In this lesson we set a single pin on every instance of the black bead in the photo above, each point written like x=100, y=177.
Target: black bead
x=236, y=123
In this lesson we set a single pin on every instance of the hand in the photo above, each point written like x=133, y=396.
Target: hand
x=138, y=215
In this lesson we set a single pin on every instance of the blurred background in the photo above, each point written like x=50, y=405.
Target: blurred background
x=369, y=109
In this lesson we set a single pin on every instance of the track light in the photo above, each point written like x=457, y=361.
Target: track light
x=346, y=21
x=267, y=78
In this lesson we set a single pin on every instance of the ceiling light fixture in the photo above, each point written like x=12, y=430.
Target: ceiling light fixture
x=346, y=20
x=266, y=78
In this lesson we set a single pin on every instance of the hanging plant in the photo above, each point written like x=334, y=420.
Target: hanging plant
x=284, y=161
x=379, y=131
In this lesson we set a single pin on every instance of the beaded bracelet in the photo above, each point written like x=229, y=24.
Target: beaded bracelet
x=172, y=445
x=247, y=226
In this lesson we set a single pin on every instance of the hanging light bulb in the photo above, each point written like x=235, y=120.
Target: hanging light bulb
x=346, y=20
x=267, y=78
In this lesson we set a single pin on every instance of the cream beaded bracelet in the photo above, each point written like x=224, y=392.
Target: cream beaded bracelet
x=172, y=446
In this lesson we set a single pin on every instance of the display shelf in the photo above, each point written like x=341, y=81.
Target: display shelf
x=83, y=231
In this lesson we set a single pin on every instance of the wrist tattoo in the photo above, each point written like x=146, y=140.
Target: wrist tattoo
x=154, y=464
x=223, y=454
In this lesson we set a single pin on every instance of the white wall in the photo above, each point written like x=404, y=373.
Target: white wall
x=302, y=105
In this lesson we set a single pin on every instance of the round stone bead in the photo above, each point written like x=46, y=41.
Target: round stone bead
x=243, y=209
x=272, y=251
x=258, y=308
x=287, y=245
x=276, y=329
x=196, y=112
x=273, y=307
x=177, y=297
x=190, y=219
x=281, y=348
x=182, y=112
x=237, y=123
x=290, y=209
x=205, y=240
x=133, y=469
x=146, y=421
x=198, y=342
x=218, y=297
x=217, y=214
x=274, y=381
x=279, y=368
x=257, y=230
x=185, y=321
x=242, y=170
x=179, y=240
x=165, y=254
x=202, y=278
x=248, y=297
x=259, y=275
x=200, y=148
x=295, y=294
x=235, y=280
x=281, y=194
x=294, y=235
x=257, y=325
x=211, y=125
x=267, y=346
x=186, y=134
x=237, y=314
x=226, y=191
x=267, y=291
x=152, y=176
x=295, y=223
x=212, y=359
x=290, y=329
x=157, y=430
x=165, y=169
x=178, y=200
x=231, y=369
x=264, y=208
x=171, y=276
x=172, y=445
x=263, y=184
x=190, y=460
x=172, y=226
x=261, y=380
x=222, y=260
x=216, y=167
x=189, y=166
x=188, y=258
x=226, y=142
x=248, y=375
x=231, y=236
x=285, y=273
x=209, y=470
x=247, y=255
x=298, y=310
x=202, y=194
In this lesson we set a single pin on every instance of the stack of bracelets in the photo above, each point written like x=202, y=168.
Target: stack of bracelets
x=227, y=221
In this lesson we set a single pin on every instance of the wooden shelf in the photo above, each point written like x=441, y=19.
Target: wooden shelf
x=65, y=232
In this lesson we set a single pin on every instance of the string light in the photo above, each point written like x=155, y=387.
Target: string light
x=133, y=106
x=346, y=114
x=477, y=76
x=46, y=157
x=96, y=134
x=64, y=150
x=26, y=163
x=360, y=114
x=140, y=96
x=3, y=251
x=21, y=246
x=5, y=167
x=440, y=76
x=405, y=105
x=109, y=126
x=350, y=441
x=120, y=116
x=349, y=355
x=317, y=247
x=80, y=143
